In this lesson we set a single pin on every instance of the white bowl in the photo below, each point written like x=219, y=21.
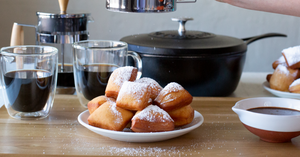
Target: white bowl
x=271, y=128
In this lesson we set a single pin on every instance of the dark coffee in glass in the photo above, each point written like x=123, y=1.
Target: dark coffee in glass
x=65, y=78
x=28, y=90
x=93, y=79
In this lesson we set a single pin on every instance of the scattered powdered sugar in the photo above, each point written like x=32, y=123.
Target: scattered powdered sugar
x=283, y=69
x=137, y=90
x=152, y=113
x=152, y=83
x=292, y=55
x=295, y=83
x=122, y=74
x=115, y=112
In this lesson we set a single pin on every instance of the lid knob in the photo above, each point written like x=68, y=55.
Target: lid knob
x=63, y=4
x=182, y=21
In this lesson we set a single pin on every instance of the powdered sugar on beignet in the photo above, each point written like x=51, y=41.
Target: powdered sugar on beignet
x=117, y=78
x=283, y=77
x=98, y=101
x=292, y=56
x=280, y=60
x=134, y=96
x=124, y=74
x=116, y=113
x=295, y=86
x=283, y=69
x=295, y=83
x=151, y=113
x=111, y=117
x=171, y=87
x=173, y=96
x=152, y=119
x=154, y=86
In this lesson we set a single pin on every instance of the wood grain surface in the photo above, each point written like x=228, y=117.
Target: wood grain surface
x=60, y=134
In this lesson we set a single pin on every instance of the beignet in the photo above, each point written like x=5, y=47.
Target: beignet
x=292, y=57
x=111, y=117
x=152, y=119
x=96, y=102
x=117, y=78
x=295, y=86
x=283, y=77
x=173, y=96
x=154, y=86
x=182, y=116
x=268, y=78
x=134, y=96
x=280, y=60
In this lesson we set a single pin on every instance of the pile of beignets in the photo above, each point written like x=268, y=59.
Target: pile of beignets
x=141, y=104
x=286, y=75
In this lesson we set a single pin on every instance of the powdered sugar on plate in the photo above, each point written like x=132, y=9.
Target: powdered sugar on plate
x=153, y=113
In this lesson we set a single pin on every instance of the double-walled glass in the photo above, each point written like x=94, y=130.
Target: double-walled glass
x=28, y=77
x=94, y=62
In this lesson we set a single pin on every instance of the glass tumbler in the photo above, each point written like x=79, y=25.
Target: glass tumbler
x=94, y=62
x=28, y=77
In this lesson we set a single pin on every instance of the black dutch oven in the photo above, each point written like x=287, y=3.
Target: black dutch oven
x=205, y=64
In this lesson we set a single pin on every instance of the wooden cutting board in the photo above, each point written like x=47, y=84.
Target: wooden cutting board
x=60, y=134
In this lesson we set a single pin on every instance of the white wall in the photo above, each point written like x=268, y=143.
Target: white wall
x=209, y=16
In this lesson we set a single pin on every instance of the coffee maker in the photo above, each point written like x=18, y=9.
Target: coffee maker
x=61, y=30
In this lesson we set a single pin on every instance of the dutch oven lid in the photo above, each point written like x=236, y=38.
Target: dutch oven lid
x=184, y=42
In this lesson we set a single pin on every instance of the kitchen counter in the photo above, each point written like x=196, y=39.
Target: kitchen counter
x=250, y=85
x=221, y=134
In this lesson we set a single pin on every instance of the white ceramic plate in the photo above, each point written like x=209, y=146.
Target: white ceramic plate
x=266, y=85
x=142, y=137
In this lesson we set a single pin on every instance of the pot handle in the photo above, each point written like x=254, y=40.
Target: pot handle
x=254, y=38
x=183, y=1
x=137, y=62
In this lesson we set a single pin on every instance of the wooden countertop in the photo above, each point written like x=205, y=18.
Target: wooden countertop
x=60, y=134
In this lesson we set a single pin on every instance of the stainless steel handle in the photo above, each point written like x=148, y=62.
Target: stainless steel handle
x=182, y=21
x=183, y=1
x=26, y=25
x=33, y=26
